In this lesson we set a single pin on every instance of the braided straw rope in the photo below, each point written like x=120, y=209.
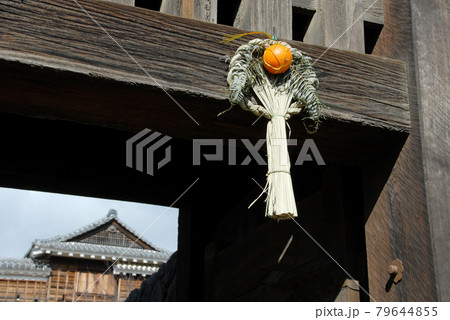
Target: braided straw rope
x=281, y=96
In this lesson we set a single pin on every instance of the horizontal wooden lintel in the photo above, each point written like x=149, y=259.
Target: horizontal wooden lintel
x=130, y=68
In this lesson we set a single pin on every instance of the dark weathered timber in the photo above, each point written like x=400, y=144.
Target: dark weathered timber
x=329, y=25
x=266, y=15
x=71, y=70
x=397, y=217
x=72, y=158
x=373, y=11
x=253, y=268
x=203, y=10
x=182, y=55
x=305, y=4
x=124, y=2
x=430, y=29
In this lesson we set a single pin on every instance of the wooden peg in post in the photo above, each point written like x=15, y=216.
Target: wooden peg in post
x=395, y=269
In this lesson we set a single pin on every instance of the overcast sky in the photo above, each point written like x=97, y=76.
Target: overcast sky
x=29, y=215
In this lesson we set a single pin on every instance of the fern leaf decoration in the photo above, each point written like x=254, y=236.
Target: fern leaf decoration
x=247, y=69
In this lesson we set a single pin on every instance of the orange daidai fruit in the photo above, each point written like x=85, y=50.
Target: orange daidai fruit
x=277, y=58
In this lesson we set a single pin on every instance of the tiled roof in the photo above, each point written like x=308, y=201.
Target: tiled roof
x=112, y=215
x=59, y=245
x=119, y=268
x=96, y=251
x=23, y=269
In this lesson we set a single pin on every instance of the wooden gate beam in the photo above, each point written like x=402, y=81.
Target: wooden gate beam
x=56, y=62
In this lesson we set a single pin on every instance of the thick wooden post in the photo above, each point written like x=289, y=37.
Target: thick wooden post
x=373, y=11
x=184, y=260
x=264, y=15
x=203, y=10
x=349, y=291
x=310, y=5
x=397, y=225
x=430, y=28
x=330, y=25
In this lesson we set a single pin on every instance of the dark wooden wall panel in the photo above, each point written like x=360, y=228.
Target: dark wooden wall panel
x=254, y=268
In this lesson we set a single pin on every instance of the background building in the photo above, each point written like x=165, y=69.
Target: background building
x=103, y=261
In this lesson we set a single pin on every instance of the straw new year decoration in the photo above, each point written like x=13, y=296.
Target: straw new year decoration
x=270, y=78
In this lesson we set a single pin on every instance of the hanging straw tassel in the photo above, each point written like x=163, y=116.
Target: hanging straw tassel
x=280, y=202
x=280, y=96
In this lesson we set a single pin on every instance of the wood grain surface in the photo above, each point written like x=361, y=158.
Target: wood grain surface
x=182, y=55
x=373, y=11
x=397, y=224
x=73, y=70
x=330, y=25
x=203, y=10
x=305, y=4
x=265, y=15
x=431, y=30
